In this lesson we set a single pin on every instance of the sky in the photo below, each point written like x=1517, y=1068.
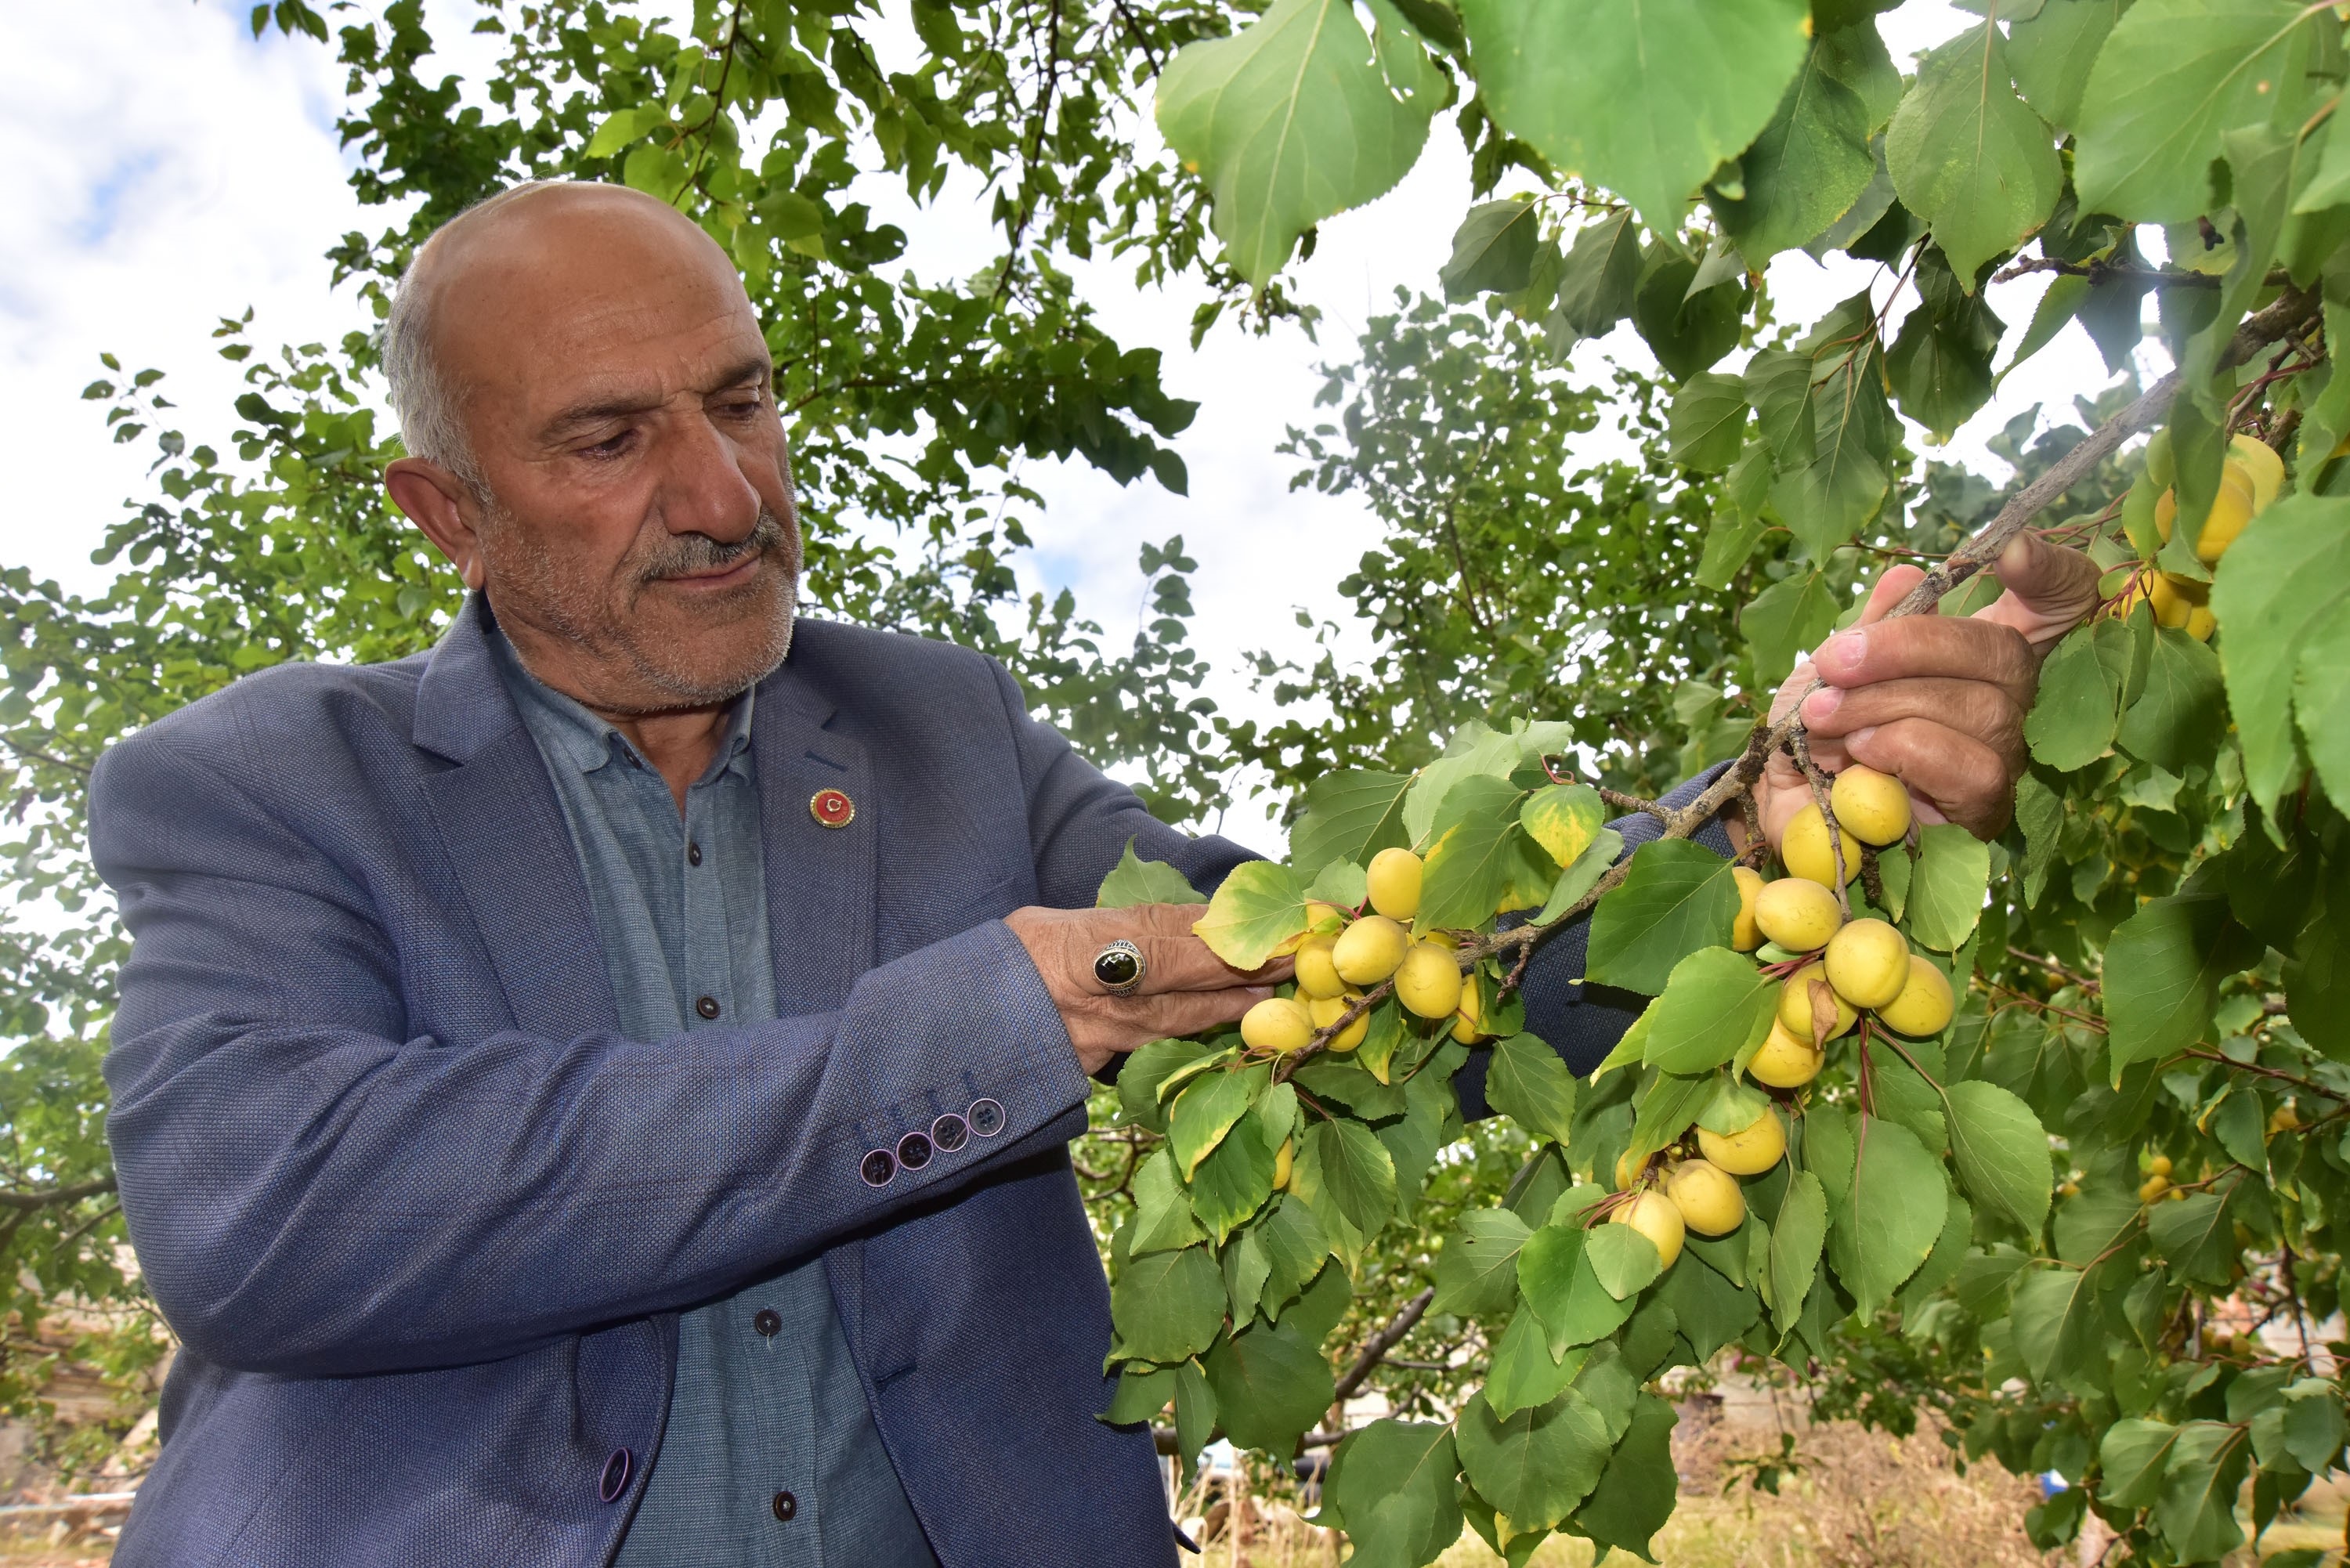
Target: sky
x=164, y=170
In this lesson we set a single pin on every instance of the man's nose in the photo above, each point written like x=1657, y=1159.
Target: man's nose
x=704, y=490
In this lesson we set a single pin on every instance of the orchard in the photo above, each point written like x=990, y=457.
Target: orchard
x=2040, y=1136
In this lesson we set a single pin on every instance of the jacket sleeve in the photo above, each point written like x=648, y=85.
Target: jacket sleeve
x=313, y=1188
x=1580, y=1021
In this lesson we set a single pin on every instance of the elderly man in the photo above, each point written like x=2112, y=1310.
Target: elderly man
x=599, y=1092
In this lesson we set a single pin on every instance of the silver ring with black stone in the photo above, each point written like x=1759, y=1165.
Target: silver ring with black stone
x=1121, y=968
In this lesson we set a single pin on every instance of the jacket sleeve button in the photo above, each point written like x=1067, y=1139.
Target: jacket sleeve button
x=879, y=1166
x=614, y=1479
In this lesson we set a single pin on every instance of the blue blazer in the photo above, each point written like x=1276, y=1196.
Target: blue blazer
x=422, y=1219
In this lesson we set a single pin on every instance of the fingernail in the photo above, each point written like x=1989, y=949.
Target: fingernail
x=1843, y=651
x=1859, y=738
x=1820, y=704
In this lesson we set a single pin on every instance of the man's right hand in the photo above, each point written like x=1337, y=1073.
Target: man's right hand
x=1185, y=988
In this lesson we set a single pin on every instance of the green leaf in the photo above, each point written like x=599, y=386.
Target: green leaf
x=1348, y=816
x=1527, y=1083
x=2195, y=1236
x=1162, y=1209
x=1624, y=1262
x=1811, y=163
x=1534, y=1465
x=1779, y=384
x=1709, y=423
x=1607, y=846
x=2133, y=1454
x=1969, y=156
x=1342, y=883
x=1294, y=1250
x=1382, y=1464
x=1709, y=1311
x=1941, y=365
x=1168, y=1306
x=2179, y=717
x=1882, y=1230
x=1477, y=1272
x=1796, y=1236
x=1603, y=269
x=1206, y=1109
x=1564, y=819
x=1493, y=251
x=2173, y=75
x=1468, y=868
x=2313, y=1426
x=1354, y=1170
x=1786, y=620
x=1133, y=881
x=1144, y=1080
x=1677, y=897
x=2074, y=716
x=2163, y=969
x=1730, y=541
x=1292, y=120
x=1231, y=1183
x=2197, y=1510
x=1643, y=100
x=2001, y=1151
x=1636, y=1494
x=1688, y=329
x=1258, y=912
x=1668, y=1107
x=2283, y=582
x=1826, y=501
x=1271, y=1383
x=2056, y=1319
x=1947, y=887
x=1139, y=1396
x=1522, y=1373
x=2321, y=701
x=1715, y=1005
x=1195, y=1414
x=1563, y=1289
x=2052, y=53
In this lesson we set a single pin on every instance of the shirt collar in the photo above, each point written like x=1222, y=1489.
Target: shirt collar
x=588, y=741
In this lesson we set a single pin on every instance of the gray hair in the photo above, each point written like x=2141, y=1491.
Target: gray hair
x=428, y=404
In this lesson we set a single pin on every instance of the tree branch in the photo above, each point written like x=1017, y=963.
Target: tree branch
x=1375, y=1350
x=2100, y=272
x=55, y=1197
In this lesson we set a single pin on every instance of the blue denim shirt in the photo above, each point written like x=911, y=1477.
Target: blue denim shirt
x=770, y=1458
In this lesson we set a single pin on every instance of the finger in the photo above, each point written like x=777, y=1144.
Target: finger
x=1890, y=590
x=1931, y=645
x=1173, y=958
x=1189, y=1011
x=1963, y=778
x=2049, y=590
x=1976, y=708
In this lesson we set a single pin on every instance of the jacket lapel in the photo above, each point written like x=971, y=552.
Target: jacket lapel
x=820, y=879
x=505, y=832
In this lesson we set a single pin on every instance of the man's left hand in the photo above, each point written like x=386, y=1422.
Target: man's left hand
x=1936, y=701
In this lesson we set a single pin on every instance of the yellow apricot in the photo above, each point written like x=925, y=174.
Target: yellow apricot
x=1925, y=1005
x=1749, y=1152
x=1627, y=1170
x=2160, y=1165
x=1469, y=1018
x=1873, y=806
x=1803, y=849
x=1708, y=1197
x=1785, y=1061
x=1325, y=919
x=2201, y=623
x=1658, y=1218
x=1316, y=975
x=1867, y=962
x=1281, y=1164
x=1369, y=950
x=1799, y=1005
x=1428, y=982
x=1277, y=1024
x=1393, y=882
x=1797, y=913
x=2152, y=1189
x=1744, y=935
x=2230, y=510
x=1327, y=1009
x=2261, y=466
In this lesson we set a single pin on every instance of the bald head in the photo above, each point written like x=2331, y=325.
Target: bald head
x=584, y=393
x=473, y=263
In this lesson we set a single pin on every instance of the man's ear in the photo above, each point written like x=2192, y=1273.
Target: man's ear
x=435, y=501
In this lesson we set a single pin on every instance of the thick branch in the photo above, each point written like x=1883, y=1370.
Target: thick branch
x=2100, y=272
x=1374, y=1350
x=55, y=1197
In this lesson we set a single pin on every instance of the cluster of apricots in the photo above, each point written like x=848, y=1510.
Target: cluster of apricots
x=1838, y=969
x=2249, y=481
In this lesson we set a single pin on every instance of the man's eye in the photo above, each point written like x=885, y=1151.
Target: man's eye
x=610, y=446
x=743, y=407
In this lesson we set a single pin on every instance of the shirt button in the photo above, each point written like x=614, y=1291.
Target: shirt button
x=785, y=1505
x=693, y=853
x=768, y=1322
x=707, y=1007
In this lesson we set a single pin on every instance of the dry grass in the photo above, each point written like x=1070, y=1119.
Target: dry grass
x=1861, y=1500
